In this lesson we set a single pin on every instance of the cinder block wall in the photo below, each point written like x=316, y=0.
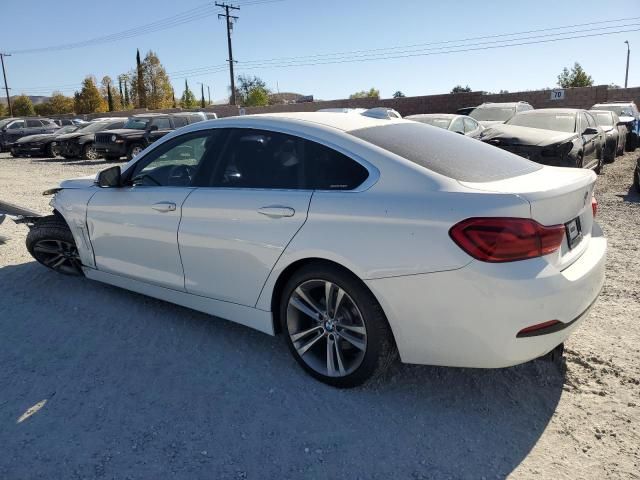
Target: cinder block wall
x=582, y=97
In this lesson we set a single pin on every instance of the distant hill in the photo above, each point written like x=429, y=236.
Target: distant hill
x=35, y=99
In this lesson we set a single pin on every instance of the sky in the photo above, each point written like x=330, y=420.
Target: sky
x=309, y=29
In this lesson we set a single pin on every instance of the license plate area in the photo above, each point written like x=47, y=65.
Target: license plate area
x=574, y=232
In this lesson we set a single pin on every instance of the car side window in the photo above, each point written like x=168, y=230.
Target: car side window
x=260, y=159
x=583, y=122
x=162, y=123
x=16, y=124
x=176, y=163
x=469, y=125
x=179, y=122
x=327, y=169
x=590, y=120
x=457, y=126
x=33, y=123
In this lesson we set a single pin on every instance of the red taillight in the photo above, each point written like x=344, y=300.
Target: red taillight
x=594, y=206
x=506, y=239
x=540, y=328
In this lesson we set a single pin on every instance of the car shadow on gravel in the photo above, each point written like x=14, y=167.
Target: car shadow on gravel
x=77, y=161
x=141, y=388
x=632, y=195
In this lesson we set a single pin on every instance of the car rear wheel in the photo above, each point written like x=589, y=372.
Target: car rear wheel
x=600, y=165
x=51, y=243
x=89, y=152
x=334, y=326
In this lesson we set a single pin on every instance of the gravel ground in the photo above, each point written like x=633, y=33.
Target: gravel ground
x=98, y=382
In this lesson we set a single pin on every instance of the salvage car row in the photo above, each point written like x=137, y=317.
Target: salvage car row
x=111, y=138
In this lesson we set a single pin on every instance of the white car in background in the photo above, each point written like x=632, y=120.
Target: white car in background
x=354, y=236
x=461, y=124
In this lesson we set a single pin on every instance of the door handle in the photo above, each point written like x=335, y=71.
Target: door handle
x=277, y=211
x=164, y=206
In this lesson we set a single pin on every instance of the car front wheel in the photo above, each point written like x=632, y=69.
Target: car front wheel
x=51, y=243
x=334, y=326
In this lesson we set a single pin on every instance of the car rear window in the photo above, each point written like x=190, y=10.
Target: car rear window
x=442, y=152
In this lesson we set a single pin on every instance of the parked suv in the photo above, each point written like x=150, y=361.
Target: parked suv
x=490, y=113
x=11, y=129
x=140, y=131
x=629, y=116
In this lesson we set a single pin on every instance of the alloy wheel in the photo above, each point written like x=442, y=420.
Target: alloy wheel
x=58, y=255
x=91, y=153
x=326, y=328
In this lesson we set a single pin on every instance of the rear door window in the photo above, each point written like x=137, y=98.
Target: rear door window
x=470, y=125
x=179, y=122
x=457, y=126
x=162, y=123
x=33, y=123
x=327, y=169
x=460, y=160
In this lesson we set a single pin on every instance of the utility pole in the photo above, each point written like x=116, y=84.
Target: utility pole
x=230, y=19
x=6, y=85
x=626, y=75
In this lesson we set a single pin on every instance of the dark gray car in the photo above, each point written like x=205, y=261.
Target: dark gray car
x=561, y=137
x=11, y=129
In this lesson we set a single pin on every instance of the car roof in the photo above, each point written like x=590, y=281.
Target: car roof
x=435, y=115
x=552, y=110
x=502, y=104
x=613, y=104
x=336, y=120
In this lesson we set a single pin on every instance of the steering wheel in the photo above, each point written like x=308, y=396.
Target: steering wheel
x=181, y=175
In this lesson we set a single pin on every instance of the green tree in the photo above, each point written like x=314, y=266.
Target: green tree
x=141, y=96
x=257, y=97
x=188, y=99
x=157, y=86
x=3, y=109
x=127, y=101
x=461, y=89
x=109, y=94
x=399, y=94
x=122, y=107
x=57, y=104
x=89, y=99
x=202, y=103
x=22, y=106
x=371, y=93
x=576, y=77
x=245, y=85
x=173, y=97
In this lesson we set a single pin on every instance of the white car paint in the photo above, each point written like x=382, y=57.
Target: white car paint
x=218, y=254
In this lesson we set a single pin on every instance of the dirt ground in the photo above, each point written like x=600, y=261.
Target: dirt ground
x=97, y=382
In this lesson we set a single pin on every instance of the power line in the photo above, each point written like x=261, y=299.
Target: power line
x=287, y=62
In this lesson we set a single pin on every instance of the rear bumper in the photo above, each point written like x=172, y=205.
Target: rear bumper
x=471, y=317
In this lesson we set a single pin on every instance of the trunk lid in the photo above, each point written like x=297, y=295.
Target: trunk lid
x=557, y=196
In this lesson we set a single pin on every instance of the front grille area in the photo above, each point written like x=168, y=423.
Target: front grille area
x=103, y=137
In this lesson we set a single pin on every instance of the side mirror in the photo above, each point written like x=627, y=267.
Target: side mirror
x=153, y=128
x=109, y=178
x=590, y=131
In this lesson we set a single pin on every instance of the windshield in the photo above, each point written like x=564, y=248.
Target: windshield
x=433, y=121
x=560, y=122
x=604, y=119
x=621, y=110
x=490, y=114
x=66, y=129
x=94, y=127
x=137, y=123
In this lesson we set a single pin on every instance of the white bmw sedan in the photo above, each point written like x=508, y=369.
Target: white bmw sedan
x=354, y=237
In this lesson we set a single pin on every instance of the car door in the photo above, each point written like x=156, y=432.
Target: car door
x=133, y=229
x=158, y=128
x=235, y=227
